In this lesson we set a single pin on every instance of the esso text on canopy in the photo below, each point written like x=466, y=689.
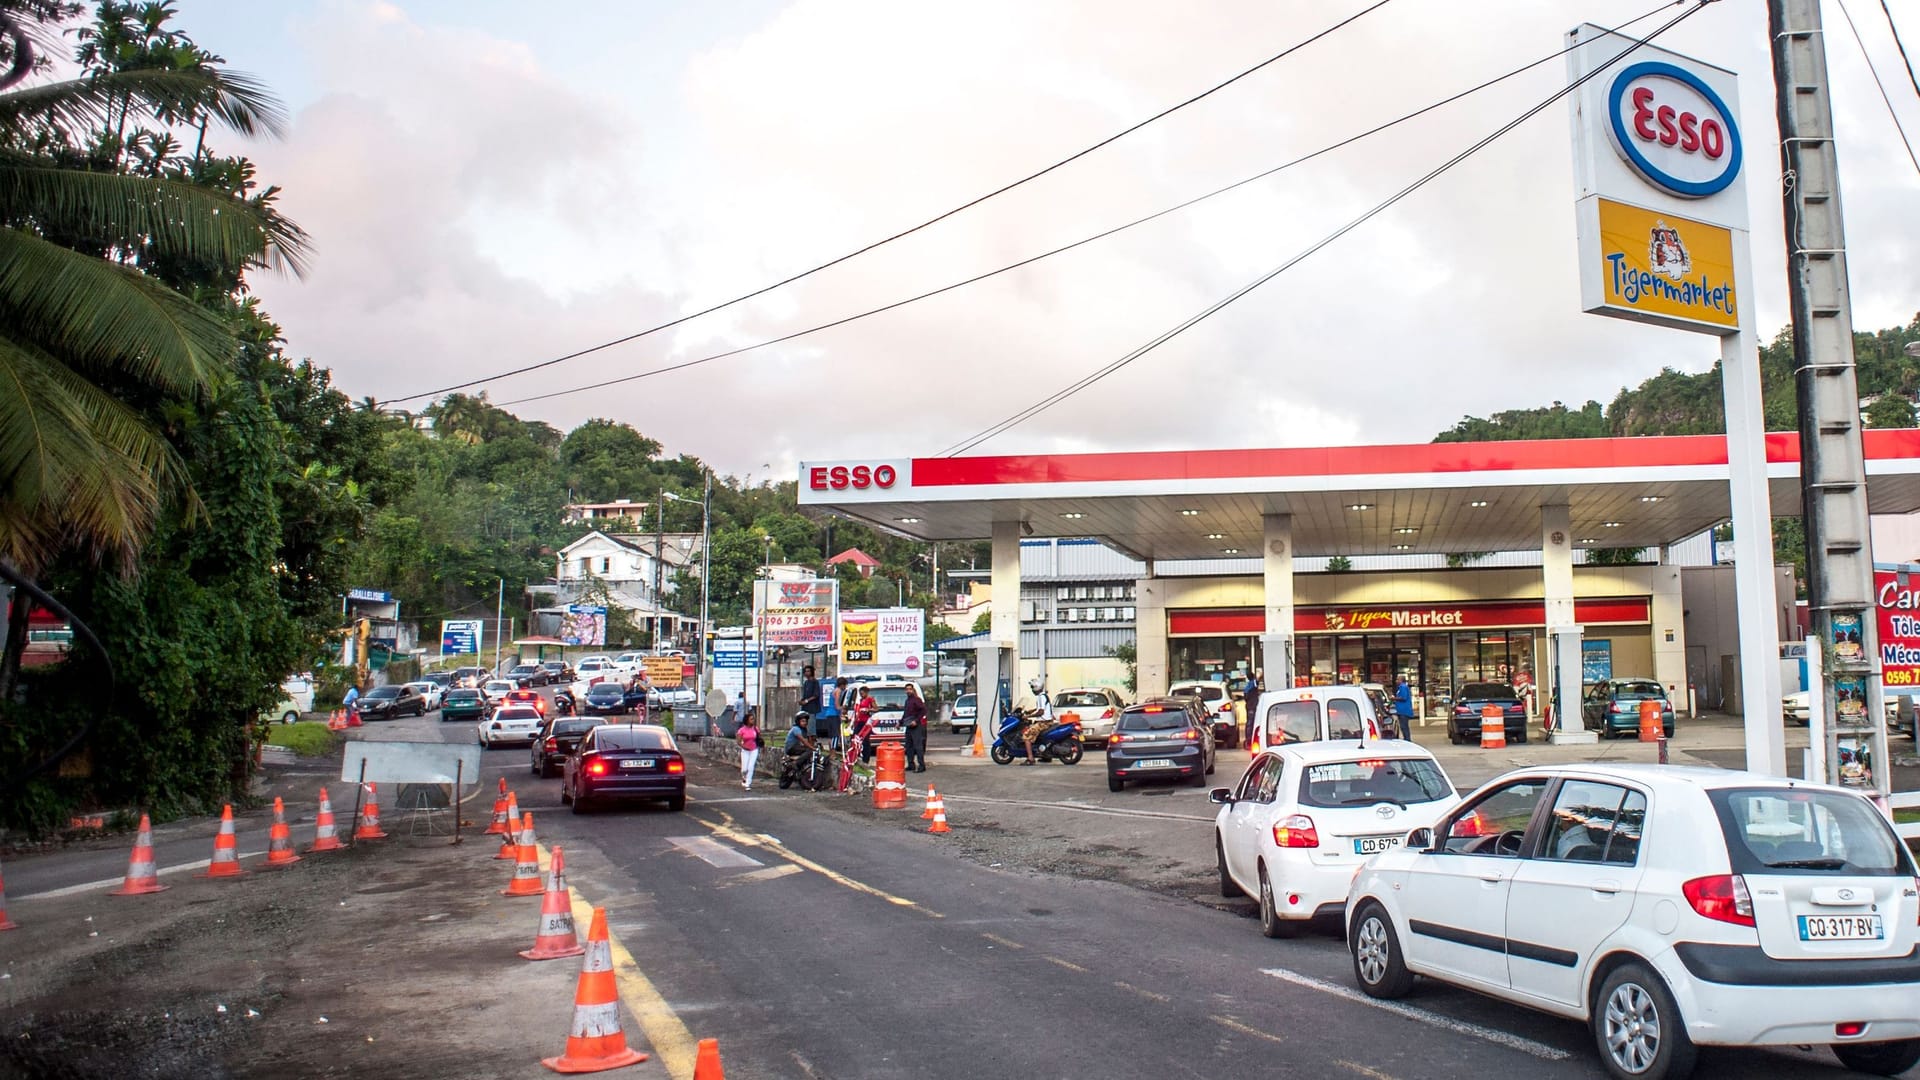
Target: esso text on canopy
x=1674, y=129
x=856, y=477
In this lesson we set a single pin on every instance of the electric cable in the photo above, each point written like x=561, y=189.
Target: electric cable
x=969, y=204
x=1098, y=374
x=1030, y=260
x=1901, y=45
x=1875, y=72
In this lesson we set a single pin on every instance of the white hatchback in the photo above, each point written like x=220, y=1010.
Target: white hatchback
x=1095, y=708
x=1305, y=818
x=509, y=724
x=1665, y=907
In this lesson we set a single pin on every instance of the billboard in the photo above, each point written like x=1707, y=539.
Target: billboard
x=1896, y=592
x=584, y=624
x=1656, y=267
x=664, y=672
x=882, y=639
x=461, y=637
x=796, y=612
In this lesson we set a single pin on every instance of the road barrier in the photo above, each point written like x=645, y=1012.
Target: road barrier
x=595, y=1042
x=142, y=876
x=526, y=868
x=889, y=776
x=932, y=797
x=706, y=1061
x=1493, y=728
x=369, y=827
x=279, y=839
x=1650, y=726
x=502, y=824
x=226, y=856
x=510, y=840
x=325, y=836
x=939, y=816
x=556, y=937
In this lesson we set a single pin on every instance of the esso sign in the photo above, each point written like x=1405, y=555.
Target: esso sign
x=1674, y=130
x=856, y=477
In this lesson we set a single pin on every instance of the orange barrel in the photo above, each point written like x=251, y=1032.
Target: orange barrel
x=889, y=776
x=1493, y=728
x=1650, y=726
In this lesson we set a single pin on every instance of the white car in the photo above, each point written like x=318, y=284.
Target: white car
x=966, y=714
x=1215, y=697
x=594, y=669
x=296, y=698
x=1313, y=714
x=630, y=663
x=496, y=691
x=509, y=724
x=1666, y=907
x=1305, y=817
x=1095, y=708
x=1795, y=707
x=433, y=693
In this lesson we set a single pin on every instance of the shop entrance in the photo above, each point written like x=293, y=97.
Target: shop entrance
x=1436, y=665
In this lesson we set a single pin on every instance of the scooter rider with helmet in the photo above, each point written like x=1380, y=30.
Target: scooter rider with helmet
x=1040, y=719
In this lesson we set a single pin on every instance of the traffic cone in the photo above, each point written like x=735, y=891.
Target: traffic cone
x=979, y=746
x=939, y=817
x=369, y=827
x=141, y=876
x=556, y=937
x=5, y=923
x=526, y=869
x=932, y=797
x=325, y=838
x=226, y=857
x=706, y=1063
x=510, y=842
x=336, y=721
x=501, y=823
x=595, y=1042
x=353, y=718
x=279, y=838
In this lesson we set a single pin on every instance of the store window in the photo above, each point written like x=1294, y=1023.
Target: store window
x=1208, y=657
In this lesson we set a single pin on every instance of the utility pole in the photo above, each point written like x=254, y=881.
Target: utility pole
x=659, y=556
x=705, y=677
x=499, y=616
x=1833, y=476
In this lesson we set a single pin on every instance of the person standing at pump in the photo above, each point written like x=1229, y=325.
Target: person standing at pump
x=913, y=720
x=1403, y=707
x=1250, y=703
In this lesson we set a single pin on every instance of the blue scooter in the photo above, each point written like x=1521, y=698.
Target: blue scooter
x=1060, y=743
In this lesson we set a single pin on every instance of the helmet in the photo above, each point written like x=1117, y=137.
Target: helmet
x=802, y=717
x=1036, y=683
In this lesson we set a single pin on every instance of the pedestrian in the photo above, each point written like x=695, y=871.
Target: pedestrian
x=863, y=709
x=740, y=708
x=749, y=735
x=1250, y=700
x=809, y=692
x=351, y=702
x=826, y=722
x=913, y=721
x=1403, y=707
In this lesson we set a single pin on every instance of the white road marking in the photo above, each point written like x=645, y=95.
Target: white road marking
x=1434, y=1019
x=769, y=874
x=1081, y=808
x=72, y=890
x=713, y=851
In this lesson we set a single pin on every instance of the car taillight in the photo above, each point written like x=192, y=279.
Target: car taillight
x=1154, y=708
x=1191, y=735
x=676, y=766
x=552, y=745
x=597, y=768
x=1116, y=737
x=1296, y=832
x=1107, y=714
x=1722, y=897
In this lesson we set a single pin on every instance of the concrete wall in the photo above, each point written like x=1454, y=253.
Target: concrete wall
x=1713, y=631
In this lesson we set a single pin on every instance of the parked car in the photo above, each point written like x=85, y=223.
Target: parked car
x=1217, y=699
x=1316, y=714
x=965, y=714
x=441, y=679
x=1794, y=707
x=469, y=677
x=464, y=703
x=528, y=675
x=625, y=761
x=593, y=670
x=391, y=702
x=1161, y=739
x=559, y=672
x=1382, y=701
x=555, y=740
x=683, y=696
x=497, y=690
x=1612, y=707
x=1095, y=708
x=431, y=693
x=1463, y=725
x=509, y=724
x=630, y=663
x=1305, y=816
x=604, y=699
x=889, y=708
x=296, y=698
x=1667, y=907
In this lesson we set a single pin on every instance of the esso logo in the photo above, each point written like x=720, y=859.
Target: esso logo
x=1674, y=129
x=857, y=477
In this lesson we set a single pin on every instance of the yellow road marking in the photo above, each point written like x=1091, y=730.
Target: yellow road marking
x=775, y=847
x=1370, y=1074
x=1069, y=965
x=1235, y=1025
x=998, y=940
x=1143, y=993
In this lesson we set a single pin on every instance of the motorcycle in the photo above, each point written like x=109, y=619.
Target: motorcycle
x=1061, y=742
x=562, y=703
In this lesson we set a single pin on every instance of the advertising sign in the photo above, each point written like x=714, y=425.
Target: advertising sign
x=797, y=612
x=1656, y=267
x=584, y=624
x=1596, y=661
x=460, y=637
x=883, y=639
x=1899, y=605
x=664, y=672
x=736, y=667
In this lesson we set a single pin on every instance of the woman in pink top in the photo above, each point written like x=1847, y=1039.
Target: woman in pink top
x=749, y=735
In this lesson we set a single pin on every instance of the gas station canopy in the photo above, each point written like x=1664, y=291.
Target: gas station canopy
x=1360, y=500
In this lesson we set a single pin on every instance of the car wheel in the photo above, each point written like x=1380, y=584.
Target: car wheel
x=566, y=797
x=1522, y=737
x=1114, y=783
x=677, y=802
x=1377, y=961
x=1198, y=779
x=1228, y=887
x=535, y=769
x=1271, y=924
x=579, y=804
x=1638, y=1028
x=289, y=717
x=1879, y=1059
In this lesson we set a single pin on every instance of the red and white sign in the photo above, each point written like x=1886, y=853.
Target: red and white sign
x=1407, y=617
x=797, y=612
x=862, y=476
x=1899, y=625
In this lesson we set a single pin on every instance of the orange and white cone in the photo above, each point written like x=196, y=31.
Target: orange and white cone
x=932, y=798
x=510, y=842
x=369, y=827
x=557, y=936
x=939, y=816
x=502, y=824
x=280, y=838
x=526, y=868
x=595, y=1042
x=226, y=854
x=706, y=1061
x=142, y=878
x=325, y=836
x=5, y=923
x=978, y=748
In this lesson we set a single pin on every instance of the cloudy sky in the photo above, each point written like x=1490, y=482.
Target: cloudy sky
x=493, y=184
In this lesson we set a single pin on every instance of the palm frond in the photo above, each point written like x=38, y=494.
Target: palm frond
x=234, y=99
x=108, y=317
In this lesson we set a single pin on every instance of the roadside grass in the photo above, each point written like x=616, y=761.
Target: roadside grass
x=308, y=738
x=1906, y=817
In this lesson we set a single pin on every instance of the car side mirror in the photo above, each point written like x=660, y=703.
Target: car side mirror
x=1420, y=839
x=1221, y=796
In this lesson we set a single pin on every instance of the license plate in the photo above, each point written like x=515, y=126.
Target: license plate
x=1155, y=763
x=1841, y=928
x=641, y=763
x=1368, y=845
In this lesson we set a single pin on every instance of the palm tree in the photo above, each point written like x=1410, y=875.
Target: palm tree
x=94, y=224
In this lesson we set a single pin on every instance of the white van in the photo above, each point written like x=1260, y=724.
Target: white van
x=1317, y=714
x=297, y=698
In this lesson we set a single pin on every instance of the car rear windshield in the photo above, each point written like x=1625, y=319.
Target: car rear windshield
x=1648, y=689
x=630, y=739
x=1080, y=701
x=516, y=714
x=605, y=692
x=381, y=692
x=965, y=701
x=1363, y=783
x=1207, y=692
x=1153, y=718
x=462, y=695
x=1294, y=721
x=572, y=727
x=1780, y=830
x=1486, y=691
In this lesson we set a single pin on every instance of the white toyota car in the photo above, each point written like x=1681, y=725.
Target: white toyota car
x=1306, y=816
x=1665, y=907
x=509, y=723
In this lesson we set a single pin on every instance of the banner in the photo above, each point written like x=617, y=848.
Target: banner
x=663, y=672
x=461, y=637
x=584, y=624
x=796, y=612
x=889, y=639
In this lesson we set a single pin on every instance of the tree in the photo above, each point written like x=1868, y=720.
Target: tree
x=983, y=622
x=1339, y=564
x=1129, y=654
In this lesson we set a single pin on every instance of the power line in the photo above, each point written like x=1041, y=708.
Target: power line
x=1003, y=189
x=1058, y=396
x=1875, y=72
x=1898, y=44
x=1030, y=260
